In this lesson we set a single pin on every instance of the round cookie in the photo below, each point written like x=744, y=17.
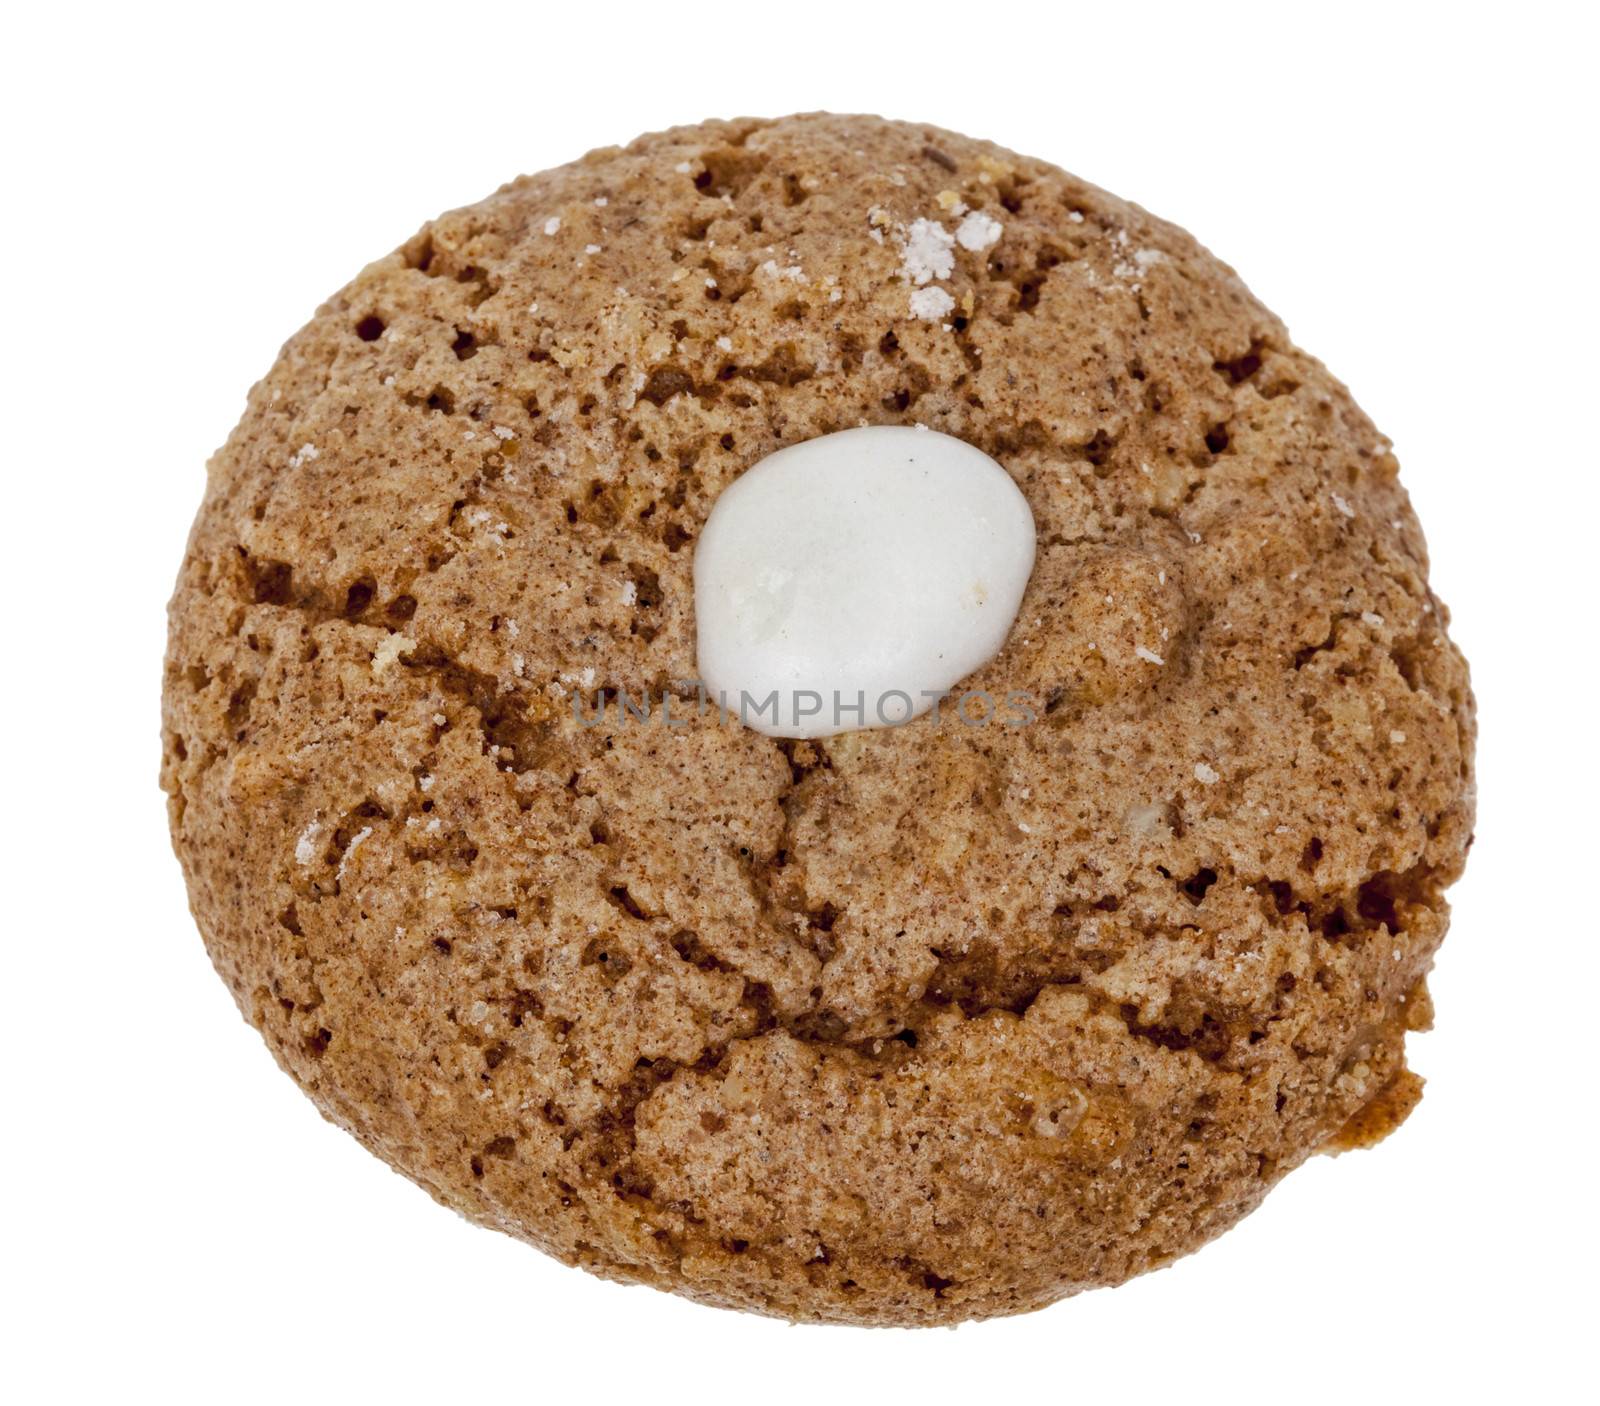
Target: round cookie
x=903, y=1026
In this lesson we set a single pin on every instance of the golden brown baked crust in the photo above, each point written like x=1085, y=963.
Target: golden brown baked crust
x=899, y=1027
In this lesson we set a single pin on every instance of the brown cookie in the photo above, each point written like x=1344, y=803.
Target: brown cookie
x=902, y=1026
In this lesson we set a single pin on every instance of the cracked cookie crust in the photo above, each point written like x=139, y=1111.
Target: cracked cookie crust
x=903, y=1026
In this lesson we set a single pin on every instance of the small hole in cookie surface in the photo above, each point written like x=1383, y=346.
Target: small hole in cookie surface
x=358, y=597
x=1097, y=449
x=1241, y=368
x=1376, y=902
x=370, y=328
x=1197, y=884
x=270, y=581
x=1334, y=925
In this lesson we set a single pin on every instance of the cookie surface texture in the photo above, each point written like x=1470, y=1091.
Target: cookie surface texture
x=911, y=1025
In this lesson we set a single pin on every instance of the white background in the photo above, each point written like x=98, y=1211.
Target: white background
x=1412, y=191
